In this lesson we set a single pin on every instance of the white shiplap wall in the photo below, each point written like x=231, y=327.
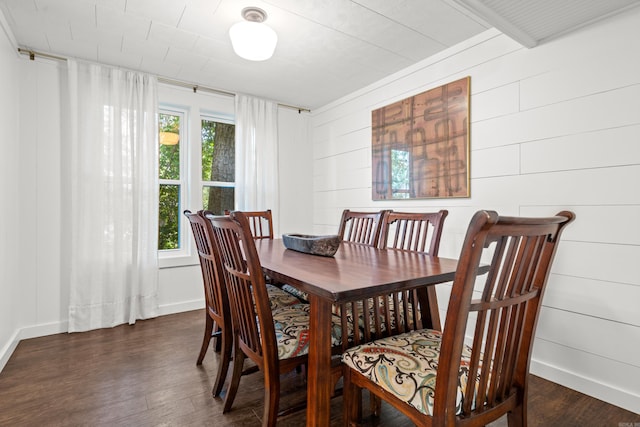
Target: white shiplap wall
x=9, y=192
x=555, y=127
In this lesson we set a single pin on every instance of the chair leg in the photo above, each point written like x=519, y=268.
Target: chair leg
x=223, y=364
x=376, y=405
x=271, y=399
x=218, y=333
x=208, y=330
x=518, y=416
x=352, y=400
x=238, y=365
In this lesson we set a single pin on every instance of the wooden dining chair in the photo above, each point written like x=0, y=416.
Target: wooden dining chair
x=416, y=232
x=276, y=341
x=261, y=225
x=361, y=227
x=434, y=377
x=217, y=315
x=260, y=222
x=398, y=312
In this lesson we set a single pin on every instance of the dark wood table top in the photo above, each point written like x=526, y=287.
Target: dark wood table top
x=355, y=271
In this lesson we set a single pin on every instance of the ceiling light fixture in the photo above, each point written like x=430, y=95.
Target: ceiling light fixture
x=168, y=138
x=252, y=39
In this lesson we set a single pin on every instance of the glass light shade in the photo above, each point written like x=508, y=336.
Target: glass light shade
x=168, y=138
x=253, y=40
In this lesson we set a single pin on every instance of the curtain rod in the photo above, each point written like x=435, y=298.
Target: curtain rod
x=32, y=56
x=196, y=88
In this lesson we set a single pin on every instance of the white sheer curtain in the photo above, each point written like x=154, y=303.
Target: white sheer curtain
x=257, y=155
x=114, y=196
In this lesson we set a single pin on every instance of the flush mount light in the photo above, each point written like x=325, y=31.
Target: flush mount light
x=252, y=39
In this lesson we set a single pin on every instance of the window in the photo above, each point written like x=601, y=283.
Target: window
x=171, y=173
x=193, y=174
x=218, y=165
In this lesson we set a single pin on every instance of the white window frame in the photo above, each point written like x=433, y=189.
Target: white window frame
x=183, y=254
x=191, y=183
x=219, y=118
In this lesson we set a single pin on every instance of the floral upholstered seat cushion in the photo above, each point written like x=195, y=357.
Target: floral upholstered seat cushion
x=279, y=298
x=292, y=330
x=406, y=365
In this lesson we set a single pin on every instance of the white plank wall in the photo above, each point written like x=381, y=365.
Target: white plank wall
x=9, y=193
x=555, y=127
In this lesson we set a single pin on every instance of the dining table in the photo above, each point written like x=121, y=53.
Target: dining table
x=356, y=271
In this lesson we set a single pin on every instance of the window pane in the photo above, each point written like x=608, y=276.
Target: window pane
x=169, y=216
x=218, y=151
x=218, y=199
x=169, y=147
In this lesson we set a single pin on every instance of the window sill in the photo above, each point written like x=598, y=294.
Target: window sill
x=165, y=261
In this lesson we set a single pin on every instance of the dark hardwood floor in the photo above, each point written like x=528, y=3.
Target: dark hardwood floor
x=146, y=375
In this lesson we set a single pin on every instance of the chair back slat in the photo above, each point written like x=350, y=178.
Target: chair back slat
x=504, y=302
x=413, y=231
x=260, y=223
x=361, y=227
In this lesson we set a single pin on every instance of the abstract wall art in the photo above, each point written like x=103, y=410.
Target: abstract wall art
x=420, y=145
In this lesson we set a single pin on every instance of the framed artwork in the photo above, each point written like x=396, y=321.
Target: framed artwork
x=420, y=145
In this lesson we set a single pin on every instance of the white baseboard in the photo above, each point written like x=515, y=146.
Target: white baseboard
x=8, y=349
x=29, y=332
x=614, y=396
x=63, y=326
x=180, y=307
x=44, y=329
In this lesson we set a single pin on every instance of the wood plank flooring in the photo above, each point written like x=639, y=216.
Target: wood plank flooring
x=146, y=375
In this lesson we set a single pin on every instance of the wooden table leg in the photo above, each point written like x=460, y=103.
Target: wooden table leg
x=319, y=369
x=429, y=304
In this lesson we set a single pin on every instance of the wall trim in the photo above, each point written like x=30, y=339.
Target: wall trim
x=27, y=332
x=8, y=349
x=180, y=307
x=52, y=328
x=605, y=392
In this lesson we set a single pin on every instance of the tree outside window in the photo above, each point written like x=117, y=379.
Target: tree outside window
x=218, y=165
x=217, y=154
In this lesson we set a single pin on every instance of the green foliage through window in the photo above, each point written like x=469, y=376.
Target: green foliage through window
x=169, y=174
x=217, y=140
x=168, y=237
x=217, y=178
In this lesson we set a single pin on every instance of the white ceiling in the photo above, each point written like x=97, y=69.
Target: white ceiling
x=326, y=48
